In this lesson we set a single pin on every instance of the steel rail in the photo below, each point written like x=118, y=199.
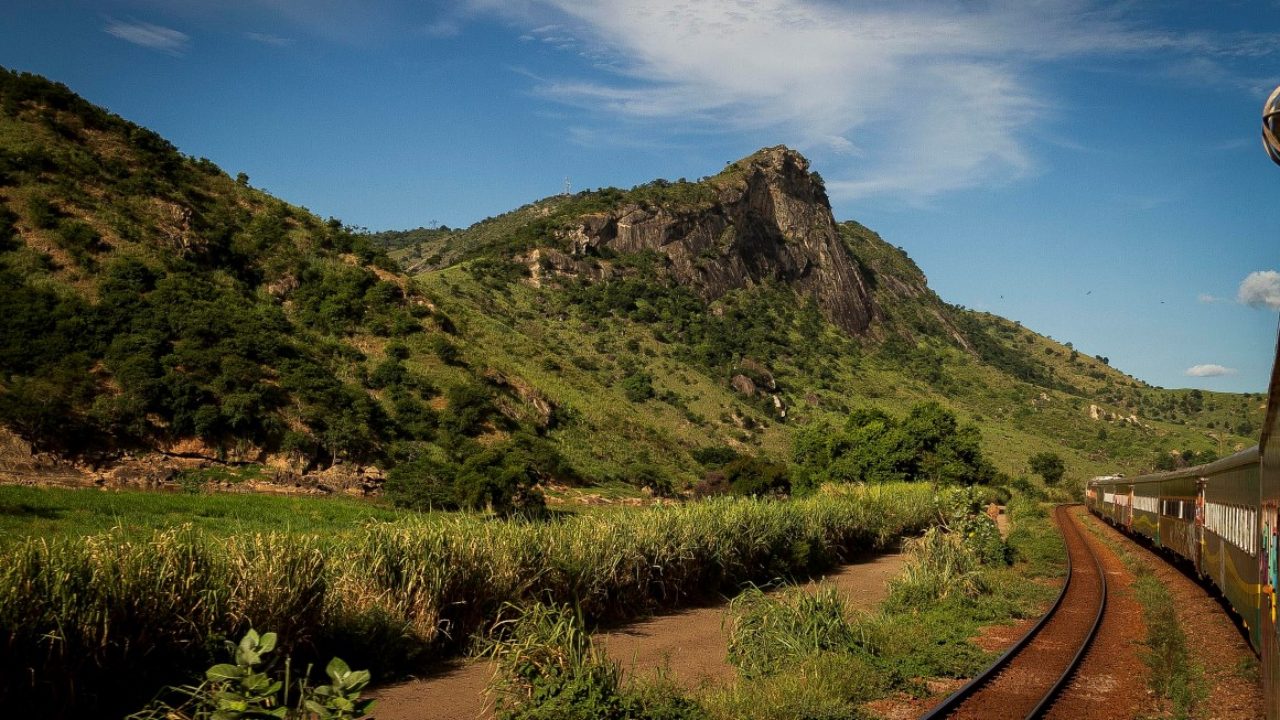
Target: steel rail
x=953, y=701
x=1049, y=697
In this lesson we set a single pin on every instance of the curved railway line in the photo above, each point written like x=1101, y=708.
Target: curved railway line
x=1025, y=681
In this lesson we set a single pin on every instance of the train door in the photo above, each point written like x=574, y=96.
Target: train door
x=1197, y=538
x=1267, y=555
x=1128, y=511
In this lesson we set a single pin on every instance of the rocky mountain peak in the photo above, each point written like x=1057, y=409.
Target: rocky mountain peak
x=764, y=218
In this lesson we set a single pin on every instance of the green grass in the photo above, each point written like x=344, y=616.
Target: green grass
x=32, y=512
x=93, y=621
x=1174, y=675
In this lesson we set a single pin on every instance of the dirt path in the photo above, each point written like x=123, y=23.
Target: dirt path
x=1230, y=667
x=689, y=644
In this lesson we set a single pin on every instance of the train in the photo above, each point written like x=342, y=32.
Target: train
x=1221, y=519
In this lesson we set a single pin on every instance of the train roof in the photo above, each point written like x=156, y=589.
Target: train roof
x=1244, y=457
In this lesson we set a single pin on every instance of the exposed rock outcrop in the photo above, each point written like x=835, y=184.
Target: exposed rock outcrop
x=533, y=404
x=770, y=220
x=21, y=464
x=743, y=384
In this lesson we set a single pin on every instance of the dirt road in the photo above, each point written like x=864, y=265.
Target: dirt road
x=690, y=644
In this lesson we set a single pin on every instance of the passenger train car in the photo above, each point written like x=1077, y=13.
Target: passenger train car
x=1221, y=518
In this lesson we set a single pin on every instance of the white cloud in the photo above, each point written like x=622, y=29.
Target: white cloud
x=1260, y=289
x=1208, y=299
x=269, y=39
x=155, y=37
x=910, y=98
x=445, y=28
x=1209, y=370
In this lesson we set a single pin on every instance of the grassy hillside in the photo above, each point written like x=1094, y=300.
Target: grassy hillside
x=588, y=344
x=150, y=303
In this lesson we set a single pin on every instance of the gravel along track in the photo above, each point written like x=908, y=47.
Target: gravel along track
x=1024, y=684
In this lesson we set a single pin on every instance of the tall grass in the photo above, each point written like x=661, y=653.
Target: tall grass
x=549, y=669
x=769, y=631
x=803, y=655
x=89, y=626
x=939, y=565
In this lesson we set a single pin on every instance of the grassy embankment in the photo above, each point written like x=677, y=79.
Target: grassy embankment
x=802, y=655
x=92, y=625
x=34, y=512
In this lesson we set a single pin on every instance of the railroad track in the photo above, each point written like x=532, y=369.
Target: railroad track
x=1027, y=678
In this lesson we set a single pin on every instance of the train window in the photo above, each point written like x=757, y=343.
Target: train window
x=1234, y=524
x=1179, y=509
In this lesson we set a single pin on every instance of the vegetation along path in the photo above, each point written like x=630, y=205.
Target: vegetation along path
x=689, y=645
x=1031, y=674
x=1219, y=678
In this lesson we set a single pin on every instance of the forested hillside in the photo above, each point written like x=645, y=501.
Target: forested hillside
x=155, y=310
x=153, y=303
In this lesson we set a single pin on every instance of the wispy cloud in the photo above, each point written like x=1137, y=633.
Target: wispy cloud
x=269, y=39
x=907, y=98
x=1260, y=289
x=1208, y=299
x=444, y=28
x=148, y=35
x=1209, y=370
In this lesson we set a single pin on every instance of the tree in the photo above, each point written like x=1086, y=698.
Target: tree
x=1048, y=466
x=873, y=446
x=422, y=484
x=755, y=476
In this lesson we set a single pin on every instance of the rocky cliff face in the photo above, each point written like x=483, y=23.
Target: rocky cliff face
x=769, y=220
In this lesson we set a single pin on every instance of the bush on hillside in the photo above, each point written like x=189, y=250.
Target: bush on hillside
x=927, y=445
x=1048, y=466
x=755, y=476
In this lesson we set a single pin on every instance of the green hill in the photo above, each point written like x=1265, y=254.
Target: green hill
x=161, y=316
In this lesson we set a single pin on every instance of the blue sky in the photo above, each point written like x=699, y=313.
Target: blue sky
x=1093, y=171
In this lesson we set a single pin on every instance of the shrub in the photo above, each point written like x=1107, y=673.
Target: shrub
x=1026, y=488
x=422, y=484
x=928, y=444
x=445, y=350
x=1048, y=466
x=715, y=456
x=8, y=231
x=638, y=386
x=654, y=478
x=42, y=213
x=240, y=690
x=387, y=373
x=79, y=240
x=470, y=407
x=712, y=484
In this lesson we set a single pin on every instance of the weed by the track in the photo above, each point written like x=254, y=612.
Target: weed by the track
x=1175, y=676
